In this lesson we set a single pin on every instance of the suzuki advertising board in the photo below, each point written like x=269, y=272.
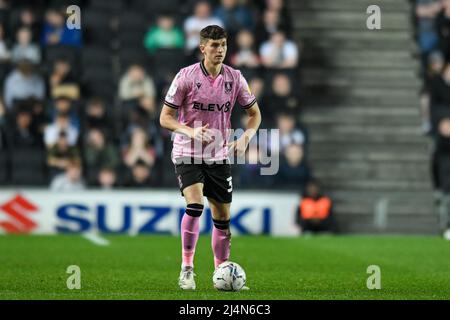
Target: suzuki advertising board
x=138, y=212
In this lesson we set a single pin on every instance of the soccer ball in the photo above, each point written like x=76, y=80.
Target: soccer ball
x=229, y=276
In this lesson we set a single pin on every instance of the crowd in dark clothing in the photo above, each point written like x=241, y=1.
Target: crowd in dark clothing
x=90, y=98
x=433, y=36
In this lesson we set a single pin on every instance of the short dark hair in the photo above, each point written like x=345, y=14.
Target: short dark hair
x=212, y=32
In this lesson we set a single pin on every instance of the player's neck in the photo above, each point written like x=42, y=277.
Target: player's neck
x=212, y=69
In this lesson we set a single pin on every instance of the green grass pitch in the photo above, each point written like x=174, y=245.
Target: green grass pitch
x=147, y=267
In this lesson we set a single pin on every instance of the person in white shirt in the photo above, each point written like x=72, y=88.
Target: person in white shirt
x=279, y=52
x=71, y=180
x=24, y=48
x=62, y=123
x=200, y=19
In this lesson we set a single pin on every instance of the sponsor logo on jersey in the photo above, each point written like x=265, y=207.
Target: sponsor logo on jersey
x=225, y=107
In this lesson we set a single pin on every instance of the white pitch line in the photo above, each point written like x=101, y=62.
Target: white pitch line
x=95, y=239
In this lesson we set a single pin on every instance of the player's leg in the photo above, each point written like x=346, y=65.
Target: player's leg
x=191, y=180
x=218, y=189
x=193, y=195
x=221, y=235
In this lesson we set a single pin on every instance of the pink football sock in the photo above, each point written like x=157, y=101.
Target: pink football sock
x=189, y=237
x=221, y=243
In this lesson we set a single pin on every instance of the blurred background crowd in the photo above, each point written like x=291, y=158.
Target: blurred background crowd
x=79, y=108
x=433, y=37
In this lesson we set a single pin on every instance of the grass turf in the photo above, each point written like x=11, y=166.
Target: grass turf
x=147, y=267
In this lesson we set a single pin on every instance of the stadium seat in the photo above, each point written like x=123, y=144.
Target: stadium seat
x=53, y=53
x=133, y=39
x=133, y=21
x=128, y=56
x=96, y=19
x=96, y=56
x=155, y=7
x=168, y=60
x=105, y=90
x=65, y=3
x=97, y=28
x=28, y=167
x=112, y=7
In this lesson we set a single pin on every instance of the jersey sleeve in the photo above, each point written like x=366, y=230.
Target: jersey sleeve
x=177, y=91
x=244, y=96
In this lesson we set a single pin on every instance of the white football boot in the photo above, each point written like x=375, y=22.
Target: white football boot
x=186, y=280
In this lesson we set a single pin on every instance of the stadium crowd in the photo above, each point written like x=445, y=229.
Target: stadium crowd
x=433, y=37
x=79, y=108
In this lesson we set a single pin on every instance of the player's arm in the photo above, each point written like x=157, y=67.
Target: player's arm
x=254, y=120
x=168, y=120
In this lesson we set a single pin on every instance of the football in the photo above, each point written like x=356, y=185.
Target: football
x=229, y=276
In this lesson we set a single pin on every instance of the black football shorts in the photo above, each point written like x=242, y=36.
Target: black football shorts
x=216, y=178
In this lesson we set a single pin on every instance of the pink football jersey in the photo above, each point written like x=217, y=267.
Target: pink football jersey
x=202, y=99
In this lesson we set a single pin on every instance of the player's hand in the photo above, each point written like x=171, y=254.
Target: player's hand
x=238, y=147
x=202, y=134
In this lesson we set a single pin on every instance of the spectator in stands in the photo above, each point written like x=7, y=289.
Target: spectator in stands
x=435, y=65
x=270, y=23
x=441, y=166
x=70, y=180
x=2, y=112
x=136, y=84
x=196, y=22
x=256, y=85
x=245, y=56
x=440, y=96
x=315, y=211
x=65, y=105
x=284, y=16
x=62, y=80
x=137, y=92
x=40, y=117
x=426, y=12
x=141, y=176
x=293, y=172
x=107, y=178
x=282, y=97
x=279, y=52
x=23, y=135
x=290, y=132
x=60, y=154
x=23, y=83
x=95, y=116
x=24, y=49
x=139, y=119
x=56, y=32
x=440, y=115
x=53, y=130
x=28, y=19
x=3, y=139
x=164, y=35
x=234, y=16
x=250, y=172
x=443, y=29
x=138, y=149
x=98, y=153
x=5, y=53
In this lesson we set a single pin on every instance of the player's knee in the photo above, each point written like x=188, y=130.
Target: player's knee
x=221, y=224
x=194, y=209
